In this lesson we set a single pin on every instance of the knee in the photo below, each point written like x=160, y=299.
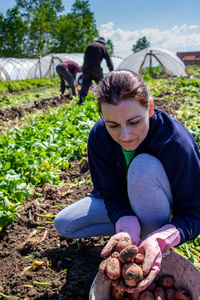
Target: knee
x=61, y=227
x=145, y=166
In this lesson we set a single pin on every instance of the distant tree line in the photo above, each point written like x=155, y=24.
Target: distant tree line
x=38, y=27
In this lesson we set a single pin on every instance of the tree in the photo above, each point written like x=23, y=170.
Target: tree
x=76, y=30
x=110, y=47
x=12, y=34
x=34, y=27
x=51, y=5
x=41, y=16
x=141, y=43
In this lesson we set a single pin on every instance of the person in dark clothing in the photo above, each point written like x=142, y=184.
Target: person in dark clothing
x=145, y=169
x=92, y=70
x=67, y=71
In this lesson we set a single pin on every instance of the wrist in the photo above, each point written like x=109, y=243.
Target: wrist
x=167, y=236
x=131, y=225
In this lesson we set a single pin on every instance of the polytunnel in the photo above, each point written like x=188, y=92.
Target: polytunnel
x=16, y=68
x=42, y=67
x=152, y=57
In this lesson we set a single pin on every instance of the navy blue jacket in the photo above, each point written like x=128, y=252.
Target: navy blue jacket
x=174, y=146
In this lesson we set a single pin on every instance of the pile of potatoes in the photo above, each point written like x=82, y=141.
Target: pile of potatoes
x=124, y=269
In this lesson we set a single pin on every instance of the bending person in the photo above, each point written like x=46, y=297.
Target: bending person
x=67, y=71
x=145, y=170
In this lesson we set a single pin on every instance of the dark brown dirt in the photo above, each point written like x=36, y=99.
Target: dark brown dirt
x=31, y=250
x=18, y=112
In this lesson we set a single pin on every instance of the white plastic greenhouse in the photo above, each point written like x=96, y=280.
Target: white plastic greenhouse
x=152, y=57
x=43, y=67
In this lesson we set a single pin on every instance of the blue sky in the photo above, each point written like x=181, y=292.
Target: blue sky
x=173, y=25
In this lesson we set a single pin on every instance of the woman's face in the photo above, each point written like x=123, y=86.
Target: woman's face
x=128, y=122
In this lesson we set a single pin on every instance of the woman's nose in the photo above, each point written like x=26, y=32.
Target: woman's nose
x=125, y=134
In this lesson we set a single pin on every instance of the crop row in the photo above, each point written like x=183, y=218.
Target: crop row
x=36, y=153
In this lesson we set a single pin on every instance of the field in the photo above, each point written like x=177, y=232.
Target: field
x=43, y=148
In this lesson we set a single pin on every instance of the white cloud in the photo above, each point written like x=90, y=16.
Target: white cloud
x=176, y=39
x=193, y=27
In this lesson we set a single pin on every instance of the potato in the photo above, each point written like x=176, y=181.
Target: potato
x=159, y=294
x=113, y=268
x=133, y=275
x=182, y=294
x=170, y=293
x=125, y=267
x=116, y=293
x=115, y=282
x=124, y=286
x=102, y=265
x=115, y=254
x=128, y=254
x=123, y=243
x=146, y=295
x=134, y=296
x=152, y=286
x=166, y=281
x=139, y=259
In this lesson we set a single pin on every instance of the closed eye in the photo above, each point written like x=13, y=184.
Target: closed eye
x=113, y=126
x=134, y=123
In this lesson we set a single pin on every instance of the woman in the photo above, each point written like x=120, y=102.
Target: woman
x=145, y=170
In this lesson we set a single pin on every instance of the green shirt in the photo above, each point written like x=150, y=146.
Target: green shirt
x=128, y=157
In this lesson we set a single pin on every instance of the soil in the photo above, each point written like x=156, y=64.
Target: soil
x=36, y=262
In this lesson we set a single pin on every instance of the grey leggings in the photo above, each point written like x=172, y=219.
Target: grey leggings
x=149, y=195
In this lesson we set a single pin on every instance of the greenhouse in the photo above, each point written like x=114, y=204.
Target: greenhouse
x=150, y=58
x=43, y=67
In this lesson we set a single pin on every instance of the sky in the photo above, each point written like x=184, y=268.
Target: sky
x=173, y=24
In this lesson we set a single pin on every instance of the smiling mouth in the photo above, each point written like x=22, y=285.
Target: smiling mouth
x=127, y=142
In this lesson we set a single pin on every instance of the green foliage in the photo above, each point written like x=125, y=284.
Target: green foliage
x=110, y=47
x=34, y=27
x=153, y=72
x=52, y=5
x=193, y=70
x=76, y=30
x=13, y=191
x=190, y=250
x=41, y=17
x=141, y=43
x=12, y=33
x=27, y=84
x=35, y=154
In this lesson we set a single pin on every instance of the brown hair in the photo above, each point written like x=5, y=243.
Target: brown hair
x=120, y=85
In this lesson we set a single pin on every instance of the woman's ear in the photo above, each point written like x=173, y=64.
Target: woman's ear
x=151, y=108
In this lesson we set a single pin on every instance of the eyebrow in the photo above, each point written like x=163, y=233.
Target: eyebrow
x=127, y=120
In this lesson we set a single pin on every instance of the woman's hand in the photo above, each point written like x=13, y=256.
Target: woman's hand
x=110, y=246
x=152, y=247
x=126, y=227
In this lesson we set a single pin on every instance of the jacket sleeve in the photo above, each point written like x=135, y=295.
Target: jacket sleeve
x=109, y=61
x=182, y=165
x=108, y=180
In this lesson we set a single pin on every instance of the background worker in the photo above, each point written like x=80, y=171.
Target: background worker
x=92, y=70
x=145, y=170
x=67, y=71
